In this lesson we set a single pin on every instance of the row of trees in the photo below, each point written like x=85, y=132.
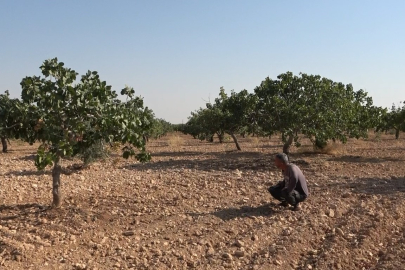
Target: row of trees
x=393, y=120
x=69, y=117
x=294, y=106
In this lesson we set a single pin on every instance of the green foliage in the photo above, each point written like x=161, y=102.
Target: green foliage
x=16, y=121
x=238, y=111
x=74, y=116
x=293, y=106
x=93, y=153
x=12, y=117
x=158, y=127
x=394, y=119
x=203, y=124
x=233, y=114
x=315, y=107
x=9, y=115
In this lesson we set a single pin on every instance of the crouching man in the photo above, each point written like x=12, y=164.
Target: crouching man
x=293, y=189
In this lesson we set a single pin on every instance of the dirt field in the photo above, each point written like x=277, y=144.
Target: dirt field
x=204, y=206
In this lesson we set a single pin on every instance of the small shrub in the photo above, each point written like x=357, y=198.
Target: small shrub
x=94, y=153
x=227, y=138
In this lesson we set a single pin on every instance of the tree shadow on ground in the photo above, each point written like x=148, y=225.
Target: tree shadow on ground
x=28, y=157
x=220, y=162
x=242, y=212
x=8, y=212
x=179, y=154
x=360, y=159
x=371, y=186
x=68, y=170
x=279, y=148
x=379, y=185
x=28, y=173
x=260, y=146
x=215, y=161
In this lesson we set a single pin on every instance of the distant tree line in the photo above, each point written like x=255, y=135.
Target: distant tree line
x=294, y=106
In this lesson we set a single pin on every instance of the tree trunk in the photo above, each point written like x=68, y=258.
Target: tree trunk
x=396, y=135
x=57, y=196
x=211, y=139
x=220, y=137
x=287, y=145
x=236, y=141
x=4, y=143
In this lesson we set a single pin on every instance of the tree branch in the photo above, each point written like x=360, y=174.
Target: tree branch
x=12, y=126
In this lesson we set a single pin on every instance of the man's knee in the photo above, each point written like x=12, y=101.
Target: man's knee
x=275, y=191
x=291, y=200
x=289, y=197
x=302, y=198
x=271, y=190
x=294, y=197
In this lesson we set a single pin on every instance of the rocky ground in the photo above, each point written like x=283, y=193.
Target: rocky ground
x=204, y=206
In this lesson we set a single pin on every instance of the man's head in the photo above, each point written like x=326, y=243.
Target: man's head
x=281, y=161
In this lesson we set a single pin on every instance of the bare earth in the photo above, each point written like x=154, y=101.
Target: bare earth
x=204, y=206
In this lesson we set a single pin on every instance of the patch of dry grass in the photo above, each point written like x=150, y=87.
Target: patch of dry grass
x=116, y=161
x=17, y=142
x=229, y=146
x=255, y=142
x=332, y=149
x=116, y=146
x=175, y=140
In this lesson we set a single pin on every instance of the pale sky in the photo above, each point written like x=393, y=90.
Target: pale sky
x=176, y=54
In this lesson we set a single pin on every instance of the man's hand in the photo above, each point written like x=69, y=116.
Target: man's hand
x=280, y=184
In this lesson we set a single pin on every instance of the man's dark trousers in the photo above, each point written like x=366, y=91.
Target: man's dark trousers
x=282, y=195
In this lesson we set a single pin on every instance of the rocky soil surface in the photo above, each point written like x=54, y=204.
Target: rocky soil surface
x=199, y=205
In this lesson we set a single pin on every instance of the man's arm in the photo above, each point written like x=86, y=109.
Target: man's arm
x=293, y=180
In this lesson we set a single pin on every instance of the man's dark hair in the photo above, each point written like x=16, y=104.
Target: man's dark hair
x=283, y=157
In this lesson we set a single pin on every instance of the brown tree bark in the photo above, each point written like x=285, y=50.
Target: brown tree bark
x=236, y=141
x=287, y=145
x=57, y=196
x=220, y=137
x=4, y=143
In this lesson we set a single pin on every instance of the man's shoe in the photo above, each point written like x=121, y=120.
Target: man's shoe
x=284, y=204
x=297, y=207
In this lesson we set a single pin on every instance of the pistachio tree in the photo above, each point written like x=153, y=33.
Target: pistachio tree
x=237, y=112
x=14, y=120
x=72, y=115
x=204, y=123
x=9, y=118
x=315, y=107
x=394, y=120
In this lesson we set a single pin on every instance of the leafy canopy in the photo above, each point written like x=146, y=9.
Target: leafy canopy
x=72, y=115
